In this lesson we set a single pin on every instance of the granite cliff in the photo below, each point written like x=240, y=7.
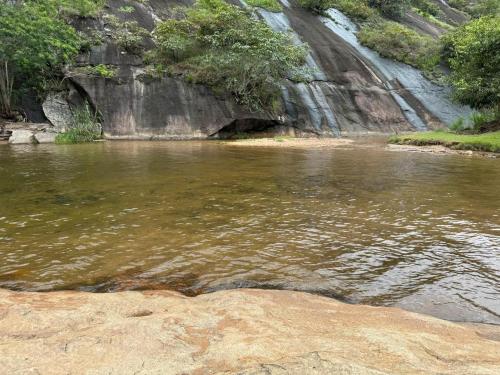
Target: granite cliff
x=354, y=90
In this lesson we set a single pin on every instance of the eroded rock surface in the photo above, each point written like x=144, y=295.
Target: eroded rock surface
x=238, y=331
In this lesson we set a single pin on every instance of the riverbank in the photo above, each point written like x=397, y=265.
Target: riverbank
x=488, y=142
x=244, y=331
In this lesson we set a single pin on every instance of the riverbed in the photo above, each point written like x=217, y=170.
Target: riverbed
x=361, y=224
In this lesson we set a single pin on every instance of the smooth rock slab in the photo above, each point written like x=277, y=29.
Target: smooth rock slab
x=45, y=137
x=242, y=331
x=22, y=136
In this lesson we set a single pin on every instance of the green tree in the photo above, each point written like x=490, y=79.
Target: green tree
x=34, y=45
x=473, y=52
x=226, y=48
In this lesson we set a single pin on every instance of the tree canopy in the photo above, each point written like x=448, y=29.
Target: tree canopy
x=34, y=43
x=473, y=52
x=225, y=47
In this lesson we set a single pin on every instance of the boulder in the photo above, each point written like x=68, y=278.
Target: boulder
x=45, y=137
x=58, y=111
x=22, y=136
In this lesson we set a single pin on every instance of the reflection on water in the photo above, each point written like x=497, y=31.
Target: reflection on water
x=363, y=224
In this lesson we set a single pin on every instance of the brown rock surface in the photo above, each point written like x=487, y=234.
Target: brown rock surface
x=243, y=331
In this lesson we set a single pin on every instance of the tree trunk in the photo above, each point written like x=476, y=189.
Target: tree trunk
x=6, y=85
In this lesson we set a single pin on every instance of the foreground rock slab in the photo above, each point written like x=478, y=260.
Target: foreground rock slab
x=239, y=331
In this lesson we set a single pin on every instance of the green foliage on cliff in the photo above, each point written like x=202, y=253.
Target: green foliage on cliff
x=226, y=48
x=360, y=9
x=271, y=5
x=398, y=42
x=82, y=8
x=34, y=44
x=356, y=9
x=426, y=7
x=473, y=52
x=394, y=9
x=128, y=35
x=478, y=8
x=101, y=70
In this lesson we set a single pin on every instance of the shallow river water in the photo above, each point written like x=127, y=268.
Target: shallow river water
x=362, y=224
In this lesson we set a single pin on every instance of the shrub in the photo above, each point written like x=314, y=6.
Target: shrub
x=226, y=48
x=391, y=8
x=126, y=9
x=473, y=52
x=357, y=9
x=317, y=6
x=82, y=8
x=101, y=70
x=426, y=7
x=400, y=43
x=458, y=125
x=478, y=8
x=85, y=127
x=128, y=35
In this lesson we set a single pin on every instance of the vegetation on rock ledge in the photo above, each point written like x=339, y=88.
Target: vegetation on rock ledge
x=226, y=48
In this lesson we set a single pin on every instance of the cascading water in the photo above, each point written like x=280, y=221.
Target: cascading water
x=433, y=97
x=311, y=94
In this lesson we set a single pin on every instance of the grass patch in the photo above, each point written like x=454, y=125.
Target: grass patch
x=85, y=127
x=270, y=5
x=480, y=142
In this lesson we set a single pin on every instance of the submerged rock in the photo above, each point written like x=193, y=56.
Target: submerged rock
x=238, y=331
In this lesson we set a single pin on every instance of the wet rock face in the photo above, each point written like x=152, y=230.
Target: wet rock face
x=352, y=90
x=239, y=331
x=165, y=108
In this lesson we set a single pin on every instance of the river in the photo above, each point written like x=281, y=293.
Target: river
x=362, y=224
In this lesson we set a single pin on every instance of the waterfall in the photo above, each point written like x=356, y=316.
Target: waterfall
x=433, y=97
x=311, y=94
